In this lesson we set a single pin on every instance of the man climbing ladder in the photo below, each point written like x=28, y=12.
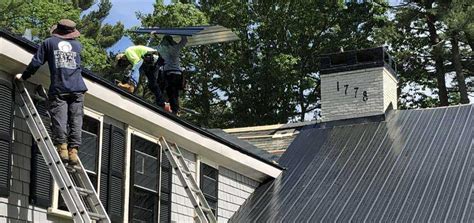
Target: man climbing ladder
x=66, y=101
x=66, y=92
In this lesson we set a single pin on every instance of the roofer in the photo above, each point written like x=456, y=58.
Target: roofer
x=171, y=52
x=143, y=59
x=67, y=88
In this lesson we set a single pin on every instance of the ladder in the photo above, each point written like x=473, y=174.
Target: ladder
x=204, y=212
x=76, y=188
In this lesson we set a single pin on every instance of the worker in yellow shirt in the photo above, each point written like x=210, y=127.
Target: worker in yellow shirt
x=142, y=59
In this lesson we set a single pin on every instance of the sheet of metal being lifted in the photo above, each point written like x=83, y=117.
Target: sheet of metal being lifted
x=197, y=35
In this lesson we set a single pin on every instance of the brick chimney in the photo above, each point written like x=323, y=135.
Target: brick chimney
x=357, y=84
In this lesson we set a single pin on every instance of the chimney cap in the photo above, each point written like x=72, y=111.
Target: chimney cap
x=356, y=60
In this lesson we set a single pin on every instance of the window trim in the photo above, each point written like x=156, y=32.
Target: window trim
x=53, y=209
x=207, y=162
x=129, y=184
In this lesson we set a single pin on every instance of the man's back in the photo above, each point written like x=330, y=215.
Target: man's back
x=64, y=60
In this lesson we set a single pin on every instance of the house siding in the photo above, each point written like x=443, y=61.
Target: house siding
x=234, y=189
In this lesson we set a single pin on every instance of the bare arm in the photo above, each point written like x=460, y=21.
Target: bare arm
x=183, y=41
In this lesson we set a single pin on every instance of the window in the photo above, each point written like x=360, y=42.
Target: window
x=88, y=152
x=209, y=182
x=145, y=176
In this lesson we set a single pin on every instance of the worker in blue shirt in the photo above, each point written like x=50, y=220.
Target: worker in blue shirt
x=66, y=92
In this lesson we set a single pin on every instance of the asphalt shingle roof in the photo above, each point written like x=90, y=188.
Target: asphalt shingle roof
x=416, y=165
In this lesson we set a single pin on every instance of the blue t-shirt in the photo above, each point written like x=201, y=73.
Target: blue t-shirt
x=64, y=60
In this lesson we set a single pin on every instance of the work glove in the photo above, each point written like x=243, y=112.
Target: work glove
x=127, y=77
x=18, y=77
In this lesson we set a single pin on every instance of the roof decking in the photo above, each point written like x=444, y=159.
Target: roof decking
x=414, y=166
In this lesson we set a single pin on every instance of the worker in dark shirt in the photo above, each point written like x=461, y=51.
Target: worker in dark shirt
x=66, y=92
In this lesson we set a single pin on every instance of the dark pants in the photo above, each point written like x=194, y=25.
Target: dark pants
x=151, y=72
x=173, y=84
x=67, y=111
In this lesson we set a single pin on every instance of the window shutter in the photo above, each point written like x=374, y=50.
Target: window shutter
x=6, y=117
x=104, y=171
x=41, y=180
x=165, y=195
x=116, y=170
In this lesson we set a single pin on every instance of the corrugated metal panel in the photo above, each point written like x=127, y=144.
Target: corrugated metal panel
x=197, y=35
x=414, y=166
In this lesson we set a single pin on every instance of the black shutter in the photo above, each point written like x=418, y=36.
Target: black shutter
x=104, y=171
x=116, y=170
x=41, y=180
x=165, y=195
x=6, y=117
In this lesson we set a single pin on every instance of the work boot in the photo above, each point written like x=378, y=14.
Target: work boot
x=73, y=157
x=63, y=153
x=126, y=86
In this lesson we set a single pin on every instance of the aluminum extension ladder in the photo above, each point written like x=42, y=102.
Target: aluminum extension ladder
x=204, y=212
x=76, y=188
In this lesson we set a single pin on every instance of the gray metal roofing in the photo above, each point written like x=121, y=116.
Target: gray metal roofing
x=417, y=165
x=197, y=35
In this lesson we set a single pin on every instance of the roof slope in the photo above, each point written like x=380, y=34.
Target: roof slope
x=417, y=165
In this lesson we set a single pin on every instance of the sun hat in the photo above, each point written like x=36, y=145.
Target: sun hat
x=65, y=29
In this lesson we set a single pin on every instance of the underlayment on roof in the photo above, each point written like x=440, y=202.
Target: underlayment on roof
x=274, y=139
x=417, y=165
x=243, y=144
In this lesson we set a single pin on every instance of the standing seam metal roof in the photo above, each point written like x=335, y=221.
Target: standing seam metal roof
x=417, y=165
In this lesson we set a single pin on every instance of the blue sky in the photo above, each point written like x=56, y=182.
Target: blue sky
x=124, y=11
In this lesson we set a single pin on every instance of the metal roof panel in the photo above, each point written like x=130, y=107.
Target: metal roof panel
x=416, y=165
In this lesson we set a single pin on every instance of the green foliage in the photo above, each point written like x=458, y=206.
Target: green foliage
x=38, y=16
x=421, y=40
x=93, y=57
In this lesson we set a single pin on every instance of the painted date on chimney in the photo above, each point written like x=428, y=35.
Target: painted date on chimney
x=365, y=96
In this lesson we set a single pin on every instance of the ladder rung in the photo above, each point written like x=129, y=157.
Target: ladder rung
x=176, y=153
x=196, y=190
x=206, y=209
x=95, y=216
x=186, y=172
x=84, y=191
x=73, y=169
